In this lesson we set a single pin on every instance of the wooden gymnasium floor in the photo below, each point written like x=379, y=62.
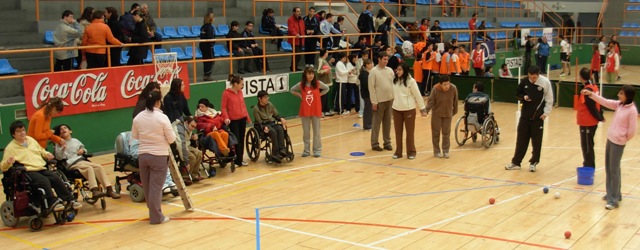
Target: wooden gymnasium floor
x=344, y=202
x=629, y=74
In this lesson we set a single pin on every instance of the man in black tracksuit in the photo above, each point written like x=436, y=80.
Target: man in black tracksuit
x=312, y=26
x=536, y=96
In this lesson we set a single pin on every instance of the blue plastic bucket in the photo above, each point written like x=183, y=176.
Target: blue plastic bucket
x=585, y=175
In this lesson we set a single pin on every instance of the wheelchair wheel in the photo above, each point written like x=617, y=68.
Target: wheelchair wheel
x=103, y=203
x=252, y=143
x=488, y=132
x=35, y=223
x=136, y=193
x=9, y=218
x=268, y=151
x=117, y=187
x=461, y=132
x=290, y=154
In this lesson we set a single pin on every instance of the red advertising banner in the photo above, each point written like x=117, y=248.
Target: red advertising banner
x=96, y=90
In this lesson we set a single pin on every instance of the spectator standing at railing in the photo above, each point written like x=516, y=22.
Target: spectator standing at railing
x=381, y=17
x=297, y=29
x=269, y=25
x=528, y=48
x=84, y=22
x=482, y=32
x=326, y=28
x=253, y=46
x=424, y=27
x=517, y=35
x=455, y=7
x=139, y=35
x=126, y=21
x=385, y=29
x=472, y=27
x=238, y=49
x=151, y=25
x=67, y=34
x=338, y=26
x=97, y=33
x=112, y=21
x=436, y=32
x=207, y=32
x=365, y=23
x=312, y=27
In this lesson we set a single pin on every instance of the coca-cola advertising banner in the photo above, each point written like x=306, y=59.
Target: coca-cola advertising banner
x=96, y=90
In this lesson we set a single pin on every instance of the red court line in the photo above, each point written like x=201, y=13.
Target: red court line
x=309, y=221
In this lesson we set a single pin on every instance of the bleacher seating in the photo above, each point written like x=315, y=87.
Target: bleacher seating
x=220, y=51
x=189, y=52
x=180, y=52
x=522, y=24
x=222, y=30
x=171, y=32
x=48, y=37
x=262, y=31
x=160, y=51
x=195, y=29
x=426, y=2
x=186, y=32
x=159, y=31
x=124, y=57
x=286, y=47
x=490, y=4
x=6, y=68
x=149, y=57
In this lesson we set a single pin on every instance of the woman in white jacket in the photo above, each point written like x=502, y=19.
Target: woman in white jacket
x=353, y=94
x=342, y=77
x=406, y=98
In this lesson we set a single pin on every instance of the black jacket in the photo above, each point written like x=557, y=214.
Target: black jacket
x=139, y=35
x=175, y=106
x=247, y=34
x=533, y=109
x=206, y=32
x=116, y=30
x=311, y=23
x=364, y=84
x=235, y=44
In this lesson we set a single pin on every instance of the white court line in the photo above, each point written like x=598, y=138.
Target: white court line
x=462, y=215
x=632, y=187
x=282, y=228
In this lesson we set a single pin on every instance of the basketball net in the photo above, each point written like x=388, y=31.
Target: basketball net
x=165, y=64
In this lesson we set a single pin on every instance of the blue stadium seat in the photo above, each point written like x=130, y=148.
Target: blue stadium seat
x=159, y=31
x=637, y=33
x=635, y=25
x=124, y=57
x=5, y=67
x=171, y=32
x=222, y=30
x=423, y=2
x=158, y=51
x=195, y=29
x=220, y=51
x=286, y=47
x=186, y=32
x=48, y=37
x=500, y=5
x=626, y=25
x=262, y=31
x=491, y=4
x=463, y=37
x=637, y=8
x=149, y=57
x=502, y=35
x=508, y=5
x=189, y=52
x=180, y=52
x=482, y=4
x=398, y=41
x=516, y=5
x=631, y=8
x=462, y=25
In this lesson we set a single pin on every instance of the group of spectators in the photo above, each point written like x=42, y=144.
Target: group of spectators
x=99, y=28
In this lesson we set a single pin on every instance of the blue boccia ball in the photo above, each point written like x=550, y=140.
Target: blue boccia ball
x=545, y=190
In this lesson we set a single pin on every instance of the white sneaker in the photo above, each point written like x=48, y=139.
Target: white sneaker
x=561, y=75
x=76, y=205
x=58, y=207
x=446, y=155
x=359, y=115
x=165, y=220
x=437, y=155
x=532, y=167
x=346, y=112
x=512, y=166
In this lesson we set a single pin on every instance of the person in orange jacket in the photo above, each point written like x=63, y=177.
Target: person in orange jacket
x=40, y=123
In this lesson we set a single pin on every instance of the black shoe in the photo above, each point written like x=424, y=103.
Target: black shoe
x=376, y=148
x=248, y=71
x=276, y=159
x=241, y=72
x=389, y=148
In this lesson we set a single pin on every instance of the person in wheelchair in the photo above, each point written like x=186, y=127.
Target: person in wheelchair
x=476, y=106
x=73, y=155
x=26, y=150
x=189, y=155
x=266, y=116
x=212, y=121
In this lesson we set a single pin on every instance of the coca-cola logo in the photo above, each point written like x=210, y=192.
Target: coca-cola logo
x=84, y=89
x=133, y=85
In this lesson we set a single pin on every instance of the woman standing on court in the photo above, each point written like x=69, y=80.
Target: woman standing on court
x=310, y=91
x=207, y=32
x=235, y=114
x=40, y=123
x=405, y=97
x=153, y=131
x=444, y=102
x=622, y=129
x=175, y=103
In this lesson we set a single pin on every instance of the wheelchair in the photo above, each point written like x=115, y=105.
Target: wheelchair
x=80, y=185
x=215, y=157
x=257, y=140
x=128, y=164
x=469, y=127
x=23, y=199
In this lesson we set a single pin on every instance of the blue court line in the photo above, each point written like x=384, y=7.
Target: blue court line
x=388, y=197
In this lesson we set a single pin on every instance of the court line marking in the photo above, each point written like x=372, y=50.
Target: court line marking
x=281, y=228
x=463, y=214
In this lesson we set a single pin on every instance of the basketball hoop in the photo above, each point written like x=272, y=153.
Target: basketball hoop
x=164, y=64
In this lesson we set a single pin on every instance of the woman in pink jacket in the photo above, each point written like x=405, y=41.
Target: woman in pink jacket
x=621, y=130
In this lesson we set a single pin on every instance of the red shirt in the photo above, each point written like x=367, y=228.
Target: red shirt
x=583, y=116
x=472, y=24
x=478, y=59
x=611, y=62
x=311, y=104
x=296, y=27
x=595, y=61
x=233, y=107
